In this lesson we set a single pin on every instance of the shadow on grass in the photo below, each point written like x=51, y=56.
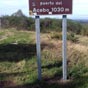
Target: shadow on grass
x=16, y=52
x=12, y=52
x=76, y=83
x=8, y=83
x=50, y=66
x=55, y=69
x=4, y=75
x=52, y=82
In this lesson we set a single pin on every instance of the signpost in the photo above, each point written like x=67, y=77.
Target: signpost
x=37, y=26
x=64, y=46
x=0, y=23
x=51, y=7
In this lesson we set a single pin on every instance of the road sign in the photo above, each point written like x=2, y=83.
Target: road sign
x=50, y=7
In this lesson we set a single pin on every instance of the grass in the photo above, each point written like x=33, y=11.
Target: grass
x=83, y=40
x=14, y=36
x=18, y=63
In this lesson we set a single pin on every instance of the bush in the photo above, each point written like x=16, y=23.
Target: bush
x=56, y=36
x=48, y=24
x=22, y=22
x=84, y=31
x=74, y=27
x=77, y=71
x=72, y=37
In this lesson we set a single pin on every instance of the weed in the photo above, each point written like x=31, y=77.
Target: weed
x=72, y=38
x=18, y=63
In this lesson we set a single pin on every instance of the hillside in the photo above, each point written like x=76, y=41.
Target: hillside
x=20, y=22
x=18, y=63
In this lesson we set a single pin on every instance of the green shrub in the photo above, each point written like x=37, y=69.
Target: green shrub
x=77, y=71
x=46, y=24
x=72, y=37
x=56, y=36
x=74, y=26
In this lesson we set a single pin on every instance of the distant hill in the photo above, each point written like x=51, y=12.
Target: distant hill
x=82, y=21
x=19, y=13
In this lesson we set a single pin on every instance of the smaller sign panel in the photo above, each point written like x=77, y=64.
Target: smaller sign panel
x=50, y=7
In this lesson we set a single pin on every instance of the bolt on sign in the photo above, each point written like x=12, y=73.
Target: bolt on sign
x=50, y=7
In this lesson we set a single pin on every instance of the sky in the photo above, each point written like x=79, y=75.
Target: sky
x=7, y=7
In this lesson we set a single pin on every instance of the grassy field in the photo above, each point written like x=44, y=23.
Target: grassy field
x=18, y=63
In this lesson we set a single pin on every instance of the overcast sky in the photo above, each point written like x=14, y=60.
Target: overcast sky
x=7, y=7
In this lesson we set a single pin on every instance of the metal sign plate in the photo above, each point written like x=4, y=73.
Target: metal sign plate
x=50, y=7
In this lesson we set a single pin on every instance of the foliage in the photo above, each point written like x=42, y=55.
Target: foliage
x=18, y=63
x=77, y=71
x=72, y=37
x=85, y=30
x=47, y=24
x=22, y=22
x=56, y=35
x=74, y=27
